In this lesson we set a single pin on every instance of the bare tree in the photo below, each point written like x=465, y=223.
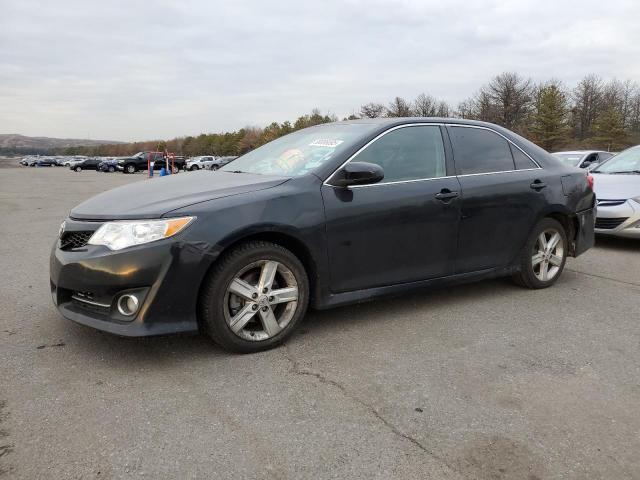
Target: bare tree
x=465, y=109
x=372, y=110
x=425, y=106
x=399, y=108
x=587, y=99
x=443, y=109
x=511, y=98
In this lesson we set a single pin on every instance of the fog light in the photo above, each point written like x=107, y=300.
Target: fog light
x=128, y=304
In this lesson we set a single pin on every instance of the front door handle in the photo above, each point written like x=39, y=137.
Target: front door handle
x=446, y=195
x=538, y=185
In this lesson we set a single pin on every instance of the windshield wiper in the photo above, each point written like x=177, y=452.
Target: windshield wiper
x=637, y=172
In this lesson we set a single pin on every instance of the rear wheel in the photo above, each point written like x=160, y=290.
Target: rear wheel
x=254, y=297
x=544, y=255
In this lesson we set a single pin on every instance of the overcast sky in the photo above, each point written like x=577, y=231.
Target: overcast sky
x=138, y=70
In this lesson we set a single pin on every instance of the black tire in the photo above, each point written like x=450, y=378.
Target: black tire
x=130, y=168
x=215, y=167
x=213, y=293
x=526, y=276
x=193, y=167
x=78, y=169
x=112, y=169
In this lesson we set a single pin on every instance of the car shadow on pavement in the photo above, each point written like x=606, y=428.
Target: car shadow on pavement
x=617, y=243
x=155, y=351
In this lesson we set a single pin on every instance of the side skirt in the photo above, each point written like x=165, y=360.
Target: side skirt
x=332, y=300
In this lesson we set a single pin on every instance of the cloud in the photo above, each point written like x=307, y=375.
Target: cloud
x=130, y=70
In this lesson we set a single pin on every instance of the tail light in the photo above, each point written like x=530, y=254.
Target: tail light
x=590, y=180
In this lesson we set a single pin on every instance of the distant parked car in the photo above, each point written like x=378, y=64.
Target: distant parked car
x=617, y=187
x=42, y=162
x=139, y=161
x=25, y=161
x=110, y=165
x=69, y=161
x=199, y=163
x=583, y=158
x=219, y=162
x=88, y=164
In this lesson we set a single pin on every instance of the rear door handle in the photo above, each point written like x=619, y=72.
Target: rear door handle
x=446, y=195
x=538, y=185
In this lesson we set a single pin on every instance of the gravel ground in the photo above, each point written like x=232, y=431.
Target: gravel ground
x=484, y=381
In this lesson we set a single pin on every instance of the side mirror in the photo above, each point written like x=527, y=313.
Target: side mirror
x=586, y=164
x=358, y=173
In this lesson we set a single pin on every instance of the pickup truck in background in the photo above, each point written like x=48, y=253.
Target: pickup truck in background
x=139, y=161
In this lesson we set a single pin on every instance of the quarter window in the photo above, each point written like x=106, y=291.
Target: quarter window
x=477, y=150
x=521, y=160
x=407, y=153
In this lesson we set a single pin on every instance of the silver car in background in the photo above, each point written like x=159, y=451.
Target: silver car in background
x=583, y=158
x=617, y=188
x=199, y=163
x=220, y=162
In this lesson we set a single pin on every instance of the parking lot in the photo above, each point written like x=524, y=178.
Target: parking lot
x=486, y=381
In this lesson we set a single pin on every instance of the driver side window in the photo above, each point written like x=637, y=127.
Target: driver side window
x=407, y=153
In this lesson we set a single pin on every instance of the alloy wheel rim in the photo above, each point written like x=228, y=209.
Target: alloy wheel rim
x=260, y=300
x=548, y=254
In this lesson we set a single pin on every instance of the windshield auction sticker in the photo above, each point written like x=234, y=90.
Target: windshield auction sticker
x=325, y=142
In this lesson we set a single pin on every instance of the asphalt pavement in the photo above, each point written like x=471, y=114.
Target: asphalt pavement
x=482, y=381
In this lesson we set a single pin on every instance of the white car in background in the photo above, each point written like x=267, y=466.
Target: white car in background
x=583, y=158
x=199, y=163
x=617, y=187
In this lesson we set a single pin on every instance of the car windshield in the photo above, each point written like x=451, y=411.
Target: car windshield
x=625, y=162
x=571, y=159
x=300, y=152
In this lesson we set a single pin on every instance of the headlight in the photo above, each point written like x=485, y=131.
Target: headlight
x=636, y=199
x=123, y=234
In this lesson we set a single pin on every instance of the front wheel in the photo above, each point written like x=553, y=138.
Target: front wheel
x=131, y=168
x=254, y=297
x=112, y=169
x=78, y=169
x=544, y=255
x=214, y=167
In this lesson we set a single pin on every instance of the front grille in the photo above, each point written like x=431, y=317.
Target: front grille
x=72, y=240
x=609, y=203
x=609, y=223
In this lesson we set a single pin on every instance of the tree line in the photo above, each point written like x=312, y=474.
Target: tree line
x=592, y=114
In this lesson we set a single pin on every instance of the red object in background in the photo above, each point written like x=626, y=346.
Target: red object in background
x=590, y=180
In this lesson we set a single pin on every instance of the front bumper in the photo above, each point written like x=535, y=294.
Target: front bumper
x=87, y=282
x=619, y=218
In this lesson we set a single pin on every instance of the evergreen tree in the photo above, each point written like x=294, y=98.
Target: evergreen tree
x=549, y=122
x=609, y=130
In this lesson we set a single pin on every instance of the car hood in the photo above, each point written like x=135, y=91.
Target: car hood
x=152, y=198
x=617, y=186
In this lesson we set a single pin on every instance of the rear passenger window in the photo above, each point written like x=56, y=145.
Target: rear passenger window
x=521, y=160
x=477, y=150
x=407, y=153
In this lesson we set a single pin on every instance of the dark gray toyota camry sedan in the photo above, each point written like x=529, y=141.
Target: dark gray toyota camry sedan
x=326, y=216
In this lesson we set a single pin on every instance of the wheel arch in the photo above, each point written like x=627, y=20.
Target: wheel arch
x=569, y=222
x=285, y=239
